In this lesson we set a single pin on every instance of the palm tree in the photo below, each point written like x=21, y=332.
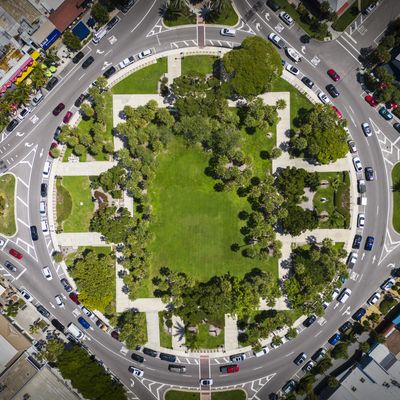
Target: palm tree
x=219, y=5
x=37, y=77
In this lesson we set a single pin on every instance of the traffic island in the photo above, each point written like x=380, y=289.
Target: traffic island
x=7, y=205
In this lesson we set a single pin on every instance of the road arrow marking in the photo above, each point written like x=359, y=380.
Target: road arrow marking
x=391, y=265
x=303, y=49
x=99, y=51
x=41, y=153
x=28, y=144
x=258, y=26
x=267, y=17
x=346, y=311
x=336, y=306
x=20, y=133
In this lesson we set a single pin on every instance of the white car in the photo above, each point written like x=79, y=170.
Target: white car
x=263, y=351
x=388, y=284
x=293, y=54
x=351, y=262
x=357, y=164
x=135, y=371
x=227, y=32
x=59, y=301
x=145, y=53
x=206, y=382
x=374, y=298
x=361, y=220
x=352, y=146
x=47, y=273
x=2, y=241
x=344, y=296
x=26, y=295
x=323, y=97
x=86, y=311
x=366, y=129
x=335, y=294
x=286, y=18
x=126, y=62
x=276, y=40
x=23, y=113
x=292, y=69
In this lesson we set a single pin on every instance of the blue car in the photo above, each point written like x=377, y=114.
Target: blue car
x=335, y=338
x=385, y=113
x=83, y=322
x=369, y=243
x=359, y=314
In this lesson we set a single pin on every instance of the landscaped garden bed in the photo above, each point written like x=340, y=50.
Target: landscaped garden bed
x=7, y=205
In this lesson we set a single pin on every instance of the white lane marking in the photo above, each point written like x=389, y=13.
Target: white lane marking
x=318, y=334
x=351, y=38
x=289, y=354
x=81, y=76
x=346, y=311
x=20, y=274
x=108, y=52
x=348, y=51
x=254, y=369
x=23, y=202
x=22, y=222
x=154, y=2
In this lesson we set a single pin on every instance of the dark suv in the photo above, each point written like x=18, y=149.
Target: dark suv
x=137, y=357
x=11, y=267
x=51, y=83
x=87, y=62
x=109, y=72
x=43, y=189
x=369, y=243
x=167, y=357
x=34, y=233
x=78, y=57
x=43, y=311
x=12, y=125
x=357, y=241
x=309, y=321
x=332, y=90
x=149, y=352
x=58, y=325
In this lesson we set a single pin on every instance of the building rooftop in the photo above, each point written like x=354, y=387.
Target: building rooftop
x=66, y=14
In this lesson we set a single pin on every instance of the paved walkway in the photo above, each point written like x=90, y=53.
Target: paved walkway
x=231, y=333
x=174, y=67
x=153, y=329
x=76, y=239
x=83, y=168
x=178, y=333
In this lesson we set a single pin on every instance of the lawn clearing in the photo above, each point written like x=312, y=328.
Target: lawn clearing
x=143, y=81
x=64, y=203
x=82, y=205
x=227, y=17
x=298, y=100
x=202, y=340
x=165, y=338
x=199, y=64
x=7, y=210
x=396, y=197
x=194, y=226
x=225, y=395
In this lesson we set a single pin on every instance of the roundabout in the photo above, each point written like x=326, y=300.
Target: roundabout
x=25, y=153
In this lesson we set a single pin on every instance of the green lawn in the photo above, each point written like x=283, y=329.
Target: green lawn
x=180, y=20
x=396, y=196
x=228, y=395
x=68, y=152
x=298, y=100
x=205, y=341
x=82, y=205
x=199, y=64
x=64, y=203
x=227, y=17
x=165, y=338
x=194, y=226
x=143, y=81
x=7, y=213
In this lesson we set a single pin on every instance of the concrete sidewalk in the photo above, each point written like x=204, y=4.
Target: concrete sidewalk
x=178, y=333
x=76, y=239
x=91, y=168
x=231, y=333
x=174, y=67
x=153, y=329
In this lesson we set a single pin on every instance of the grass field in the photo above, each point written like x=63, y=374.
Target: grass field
x=297, y=99
x=7, y=214
x=205, y=341
x=227, y=17
x=82, y=205
x=165, y=338
x=64, y=203
x=228, y=395
x=194, y=226
x=180, y=20
x=199, y=64
x=99, y=250
x=396, y=197
x=143, y=81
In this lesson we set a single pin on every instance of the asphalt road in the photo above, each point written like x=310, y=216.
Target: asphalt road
x=25, y=150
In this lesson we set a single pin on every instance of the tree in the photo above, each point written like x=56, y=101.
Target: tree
x=252, y=67
x=340, y=351
x=34, y=328
x=364, y=347
x=58, y=256
x=133, y=328
x=87, y=110
x=387, y=304
x=100, y=13
x=55, y=152
x=305, y=384
x=323, y=365
x=53, y=349
x=72, y=41
x=332, y=382
x=276, y=341
x=101, y=82
x=38, y=77
x=298, y=220
x=94, y=277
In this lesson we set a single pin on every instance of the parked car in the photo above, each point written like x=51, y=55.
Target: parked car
x=369, y=243
x=300, y=358
x=112, y=22
x=383, y=111
x=309, y=366
x=145, y=53
x=58, y=325
x=369, y=174
x=47, y=273
x=135, y=371
x=352, y=146
x=59, y=301
x=333, y=74
x=12, y=125
x=323, y=97
x=80, y=100
x=110, y=71
x=338, y=113
x=180, y=369
x=58, y=109
x=396, y=126
x=292, y=69
x=167, y=357
x=238, y=357
x=67, y=287
x=319, y=355
x=344, y=296
x=51, y=83
x=43, y=189
x=137, y=357
x=43, y=311
x=332, y=90
x=228, y=32
x=370, y=100
x=57, y=132
x=388, y=284
x=293, y=54
x=309, y=321
x=23, y=113
x=11, y=267
x=274, y=6
x=78, y=57
x=374, y=298
x=67, y=117
x=87, y=62
x=34, y=233
x=16, y=254
x=361, y=186
x=357, y=164
x=308, y=82
x=206, y=382
x=26, y=295
x=357, y=241
x=366, y=129
x=345, y=327
x=86, y=311
x=335, y=294
x=335, y=338
x=286, y=18
x=127, y=61
x=74, y=297
x=262, y=352
x=276, y=40
x=351, y=261
x=229, y=369
x=359, y=314
x=149, y=352
x=84, y=323
x=289, y=387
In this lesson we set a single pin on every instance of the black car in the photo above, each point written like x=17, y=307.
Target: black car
x=345, y=327
x=34, y=233
x=125, y=5
x=332, y=90
x=137, y=357
x=359, y=314
x=43, y=311
x=57, y=132
x=79, y=100
x=369, y=174
x=110, y=71
x=167, y=357
x=43, y=189
x=11, y=267
x=78, y=57
x=300, y=358
x=308, y=82
x=66, y=285
x=357, y=241
x=149, y=352
x=273, y=5
x=396, y=126
x=12, y=125
x=309, y=321
x=114, y=21
x=58, y=109
x=51, y=83
x=369, y=243
x=87, y=62
x=58, y=325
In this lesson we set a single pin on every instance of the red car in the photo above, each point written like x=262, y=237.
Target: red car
x=67, y=117
x=333, y=74
x=391, y=104
x=229, y=369
x=338, y=113
x=53, y=146
x=370, y=100
x=16, y=254
x=58, y=109
x=74, y=297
